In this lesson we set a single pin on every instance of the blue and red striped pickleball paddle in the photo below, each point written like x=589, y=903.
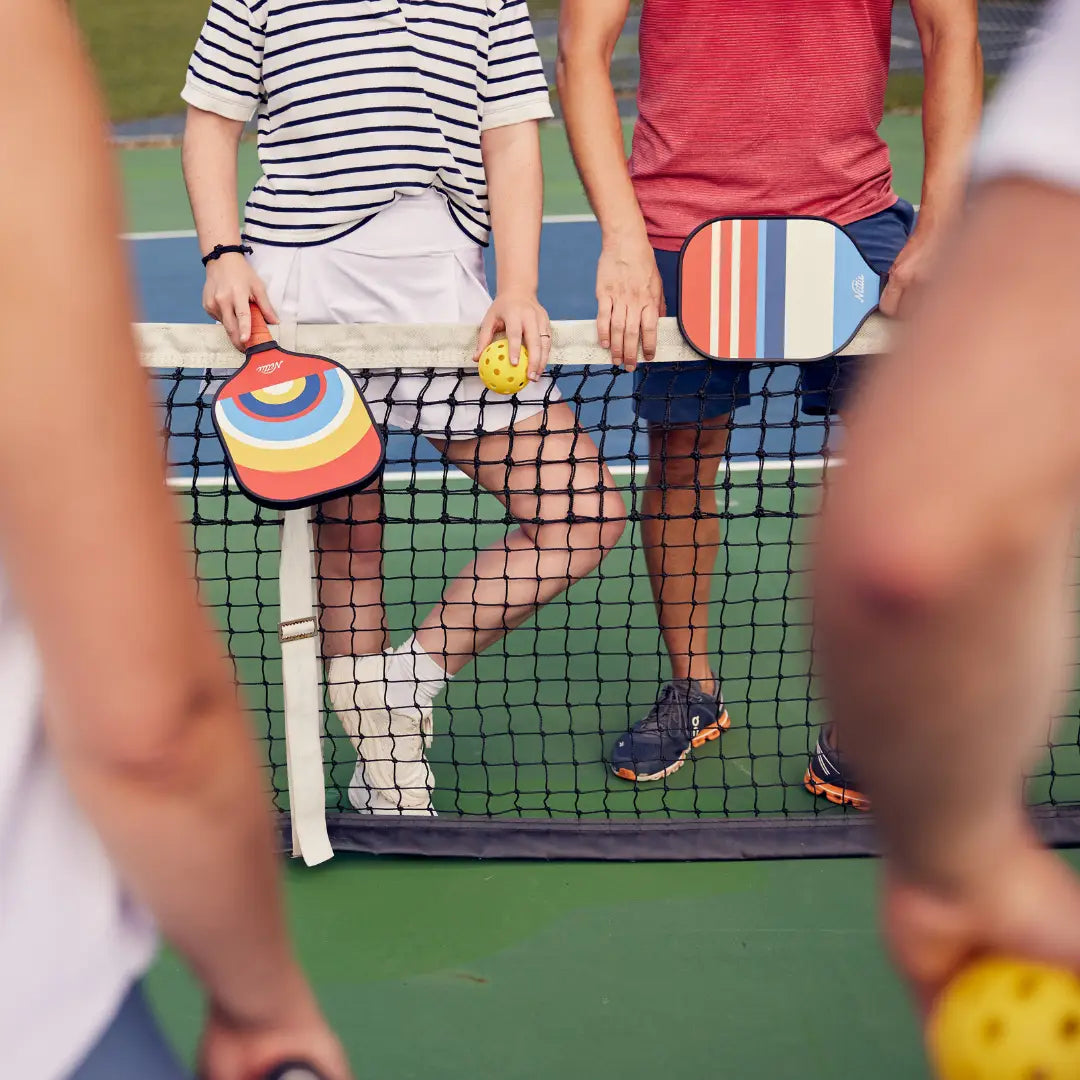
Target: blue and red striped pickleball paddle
x=295, y=427
x=773, y=289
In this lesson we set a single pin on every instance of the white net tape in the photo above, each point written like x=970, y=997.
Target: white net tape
x=374, y=347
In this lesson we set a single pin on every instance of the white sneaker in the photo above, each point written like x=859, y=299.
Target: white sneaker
x=392, y=775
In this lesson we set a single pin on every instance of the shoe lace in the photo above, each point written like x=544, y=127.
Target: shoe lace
x=669, y=711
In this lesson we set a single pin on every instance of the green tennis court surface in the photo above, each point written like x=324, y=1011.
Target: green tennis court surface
x=599, y=972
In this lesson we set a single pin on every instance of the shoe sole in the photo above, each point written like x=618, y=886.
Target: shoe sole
x=713, y=731
x=841, y=796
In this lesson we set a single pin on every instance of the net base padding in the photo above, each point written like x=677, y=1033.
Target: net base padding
x=844, y=835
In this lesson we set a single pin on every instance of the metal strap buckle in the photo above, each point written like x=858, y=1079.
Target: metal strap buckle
x=297, y=629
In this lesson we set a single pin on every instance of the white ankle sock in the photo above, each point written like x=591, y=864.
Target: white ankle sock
x=341, y=678
x=413, y=678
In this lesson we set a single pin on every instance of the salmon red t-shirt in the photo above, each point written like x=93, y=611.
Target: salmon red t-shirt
x=748, y=109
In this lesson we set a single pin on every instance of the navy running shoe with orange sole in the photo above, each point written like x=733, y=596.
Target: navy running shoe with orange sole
x=829, y=775
x=683, y=718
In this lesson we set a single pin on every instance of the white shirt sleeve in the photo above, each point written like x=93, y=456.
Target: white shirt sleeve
x=225, y=72
x=515, y=89
x=1032, y=127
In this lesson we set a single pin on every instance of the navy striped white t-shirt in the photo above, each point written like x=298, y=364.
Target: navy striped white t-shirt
x=360, y=101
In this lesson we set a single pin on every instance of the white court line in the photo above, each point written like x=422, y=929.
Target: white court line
x=178, y=234
x=188, y=234
x=446, y=476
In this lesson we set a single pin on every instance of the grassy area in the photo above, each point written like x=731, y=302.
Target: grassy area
x=142, y=47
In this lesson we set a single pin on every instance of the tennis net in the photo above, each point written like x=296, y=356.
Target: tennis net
x=522, y=737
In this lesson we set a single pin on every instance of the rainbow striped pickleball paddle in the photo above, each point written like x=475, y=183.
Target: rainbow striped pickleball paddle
x=295, y=427
x=773, y=289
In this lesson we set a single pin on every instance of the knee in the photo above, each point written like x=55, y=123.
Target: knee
x=349, y=552
x=591, y=528
x=601, y=538
x=687, y=457
x=597, y=528
x=350, y=538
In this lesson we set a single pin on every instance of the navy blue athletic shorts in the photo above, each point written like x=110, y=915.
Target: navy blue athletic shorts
x=693, y=391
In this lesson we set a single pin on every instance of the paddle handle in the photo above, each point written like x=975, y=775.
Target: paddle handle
x=260, y=335
x=293, y=1069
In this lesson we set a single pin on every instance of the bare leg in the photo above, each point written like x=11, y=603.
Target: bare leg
x=348, y=547
x=681, y=533
x=562, y=533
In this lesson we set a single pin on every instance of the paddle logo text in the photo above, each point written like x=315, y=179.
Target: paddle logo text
x=269, y=369
x=858, y=288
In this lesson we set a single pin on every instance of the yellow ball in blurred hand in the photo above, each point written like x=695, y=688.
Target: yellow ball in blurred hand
x=1002, y=1019
x=497, y=371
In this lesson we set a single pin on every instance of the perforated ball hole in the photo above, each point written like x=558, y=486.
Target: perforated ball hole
x=993, y=1029
x=1026, y=987
x=1070, y=1028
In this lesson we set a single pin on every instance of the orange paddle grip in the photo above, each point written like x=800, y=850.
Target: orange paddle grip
x=259, y=333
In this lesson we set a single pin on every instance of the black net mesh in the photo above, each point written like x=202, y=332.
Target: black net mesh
x=524, y=734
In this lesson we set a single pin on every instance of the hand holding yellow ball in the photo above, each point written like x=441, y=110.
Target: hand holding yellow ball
x=497, y=371
x=1004, y=1019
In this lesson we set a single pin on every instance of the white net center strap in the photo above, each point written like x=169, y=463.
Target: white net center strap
x=192, y=345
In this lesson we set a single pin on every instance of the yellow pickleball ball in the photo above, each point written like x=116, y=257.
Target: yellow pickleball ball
x=497, y=371
x=1002, y=1019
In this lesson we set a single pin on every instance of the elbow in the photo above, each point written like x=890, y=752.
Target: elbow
x=560, y=72
x=575, y=61
x=171, y=744
x=563, y=67
x=951, y=41
x=886, y=583
x=910, y=571
x=882, y=569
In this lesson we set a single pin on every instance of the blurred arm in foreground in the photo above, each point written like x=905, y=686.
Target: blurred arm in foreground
x=115, y=665
x=941, y=592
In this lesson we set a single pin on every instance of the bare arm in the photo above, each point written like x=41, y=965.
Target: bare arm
x=629, y=294
x=952, y=106
x=140, y=709
x=588, y=33
x=211, y=145
x=515, y=180
x=942, y=620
